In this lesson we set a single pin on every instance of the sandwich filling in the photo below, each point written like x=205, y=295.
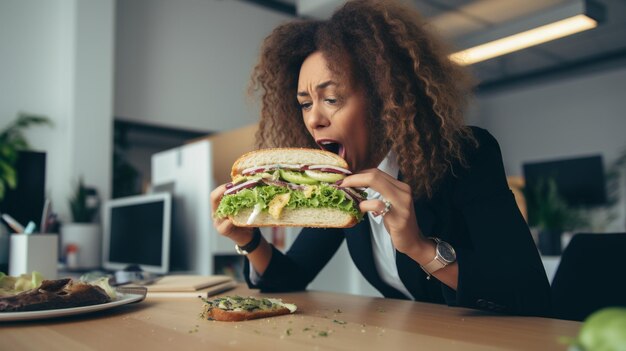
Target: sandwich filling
x=273, y=188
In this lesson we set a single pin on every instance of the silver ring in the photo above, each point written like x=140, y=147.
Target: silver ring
x=387, y=208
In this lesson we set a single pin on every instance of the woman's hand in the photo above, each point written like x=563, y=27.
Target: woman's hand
x=400, y=221
x=240, y=235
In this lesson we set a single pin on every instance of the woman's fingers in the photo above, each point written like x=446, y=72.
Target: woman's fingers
x=375, y=206
x=216, y=196
x=224, y=226
x=379, y=181
x=396, y=195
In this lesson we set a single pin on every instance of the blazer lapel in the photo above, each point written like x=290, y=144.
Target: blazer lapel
x=411, y=274
x=360, y=247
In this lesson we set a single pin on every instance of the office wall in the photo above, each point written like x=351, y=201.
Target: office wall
x=580, y=114
x=576, y=115
x=187, y=63
x=56, y=60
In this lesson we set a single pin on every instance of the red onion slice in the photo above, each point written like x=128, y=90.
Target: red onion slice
x=294, y=167
x=236, y=188
x=355, y=196
x=330, y=169
x=269, y=168
x=353, y=193
x=254, y=170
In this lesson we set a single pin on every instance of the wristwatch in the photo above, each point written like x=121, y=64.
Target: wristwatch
x=445, y=255
x=251, y=246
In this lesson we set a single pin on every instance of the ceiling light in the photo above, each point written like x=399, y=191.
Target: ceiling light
x=549, y=25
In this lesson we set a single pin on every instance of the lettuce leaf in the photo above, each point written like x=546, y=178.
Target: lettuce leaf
x=10, y=285
x=323, y=196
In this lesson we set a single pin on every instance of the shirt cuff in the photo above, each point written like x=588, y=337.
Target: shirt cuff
x=255, y=278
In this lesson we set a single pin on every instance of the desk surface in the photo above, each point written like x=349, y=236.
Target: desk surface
x=370, y=324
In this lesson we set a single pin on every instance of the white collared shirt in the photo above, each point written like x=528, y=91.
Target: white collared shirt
x=382, y=246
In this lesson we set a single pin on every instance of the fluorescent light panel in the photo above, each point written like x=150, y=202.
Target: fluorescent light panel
x=524, y=39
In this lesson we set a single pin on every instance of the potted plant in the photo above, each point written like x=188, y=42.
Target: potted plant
x=81, y=237
x=12, y=141
x=551, y=215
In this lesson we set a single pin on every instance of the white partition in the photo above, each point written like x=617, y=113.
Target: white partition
x=186, y=172
x=190, y=172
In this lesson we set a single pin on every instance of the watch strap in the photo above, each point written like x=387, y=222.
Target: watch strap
x=251, y=246
x=433, y=266
x=436, y=264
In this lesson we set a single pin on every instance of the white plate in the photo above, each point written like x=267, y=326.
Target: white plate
x=122, y=299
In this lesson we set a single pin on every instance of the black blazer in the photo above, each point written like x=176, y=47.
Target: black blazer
x=474, y=210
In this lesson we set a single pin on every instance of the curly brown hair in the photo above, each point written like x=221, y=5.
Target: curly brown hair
x=417, y=96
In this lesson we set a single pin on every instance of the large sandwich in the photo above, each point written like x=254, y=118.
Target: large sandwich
x=290, y=187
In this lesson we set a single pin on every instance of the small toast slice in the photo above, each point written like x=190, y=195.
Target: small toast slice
x=237, y=308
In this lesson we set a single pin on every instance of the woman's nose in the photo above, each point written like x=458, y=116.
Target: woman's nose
x=316, y=118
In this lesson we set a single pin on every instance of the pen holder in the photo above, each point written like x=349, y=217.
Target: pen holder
x=33, y=252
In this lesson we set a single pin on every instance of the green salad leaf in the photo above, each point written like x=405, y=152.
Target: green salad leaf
x=10, y=285
x=317, y=196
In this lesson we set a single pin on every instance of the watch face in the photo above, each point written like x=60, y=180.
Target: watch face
x=446, y=251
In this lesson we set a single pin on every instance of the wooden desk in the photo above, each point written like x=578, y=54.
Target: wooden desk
x=370, y=324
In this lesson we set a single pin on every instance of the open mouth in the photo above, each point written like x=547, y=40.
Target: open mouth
x=332, y=146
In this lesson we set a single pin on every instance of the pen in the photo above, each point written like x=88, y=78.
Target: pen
x=44, y=216
x=30, y=228
x=15, y=225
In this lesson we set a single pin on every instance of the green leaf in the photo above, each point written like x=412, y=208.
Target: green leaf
x=12, y=140
x=81, y=212
x=8, y=175
x=323, y=196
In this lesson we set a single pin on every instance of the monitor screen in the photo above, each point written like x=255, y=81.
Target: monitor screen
x=580, y=181
x=25, y=202
x=137, y=232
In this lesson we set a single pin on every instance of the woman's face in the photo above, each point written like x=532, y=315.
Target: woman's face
x=334, y=112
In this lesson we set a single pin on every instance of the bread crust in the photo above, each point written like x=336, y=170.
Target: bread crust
x=298, y=217
x=219, y=314
x=279, y=153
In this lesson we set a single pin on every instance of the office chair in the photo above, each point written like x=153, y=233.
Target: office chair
x=590, y=276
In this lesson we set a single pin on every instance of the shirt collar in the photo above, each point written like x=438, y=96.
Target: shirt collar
x=389, y=165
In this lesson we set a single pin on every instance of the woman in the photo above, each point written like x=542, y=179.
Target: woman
x=373, y=85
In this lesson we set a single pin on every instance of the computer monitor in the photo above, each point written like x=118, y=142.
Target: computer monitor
x=25, y=202
x=137, y=233
x=580, y=181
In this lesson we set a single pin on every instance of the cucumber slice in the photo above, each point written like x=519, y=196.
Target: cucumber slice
x=324, y=176
x=296, y=177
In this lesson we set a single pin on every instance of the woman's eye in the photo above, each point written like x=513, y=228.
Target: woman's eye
x=331, y=101
x=305, y=105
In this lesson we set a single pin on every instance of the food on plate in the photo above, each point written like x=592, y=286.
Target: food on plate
x=10, y=285
x=237, y=308
x=290, y=187
x=55, y=294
